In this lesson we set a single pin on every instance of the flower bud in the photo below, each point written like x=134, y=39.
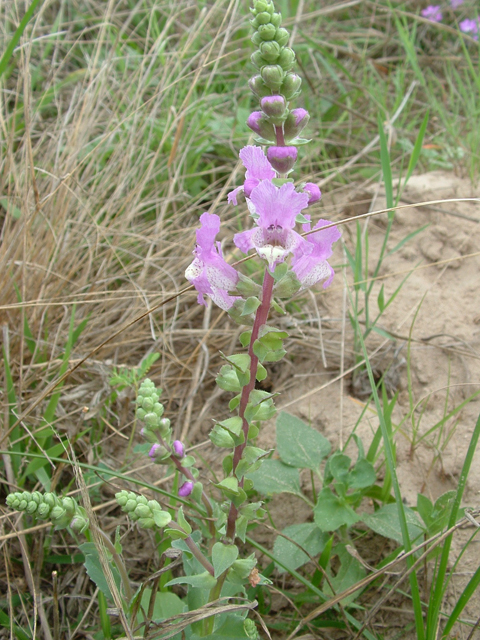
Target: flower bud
x=141, y=413
x=143, y=511
x=260, y=5
x=79, y=524
x=43, y=511
x=273, y=75
x=276, y=19
x=258, y=60
x=157, y=451
x=267, y=31
x=69, y=505
x=256, y=39
x=130, y=505
x=282, y=159
x=282, y=36
x=261, y=18
x=269, y=51
x=314, y=192
x=296, y=121
x=286, y=58
x=147, y=404
x=32, y=507
x=164, y=426
x=151, y=420
x=149, y=435
x=291, y=85
x=178, y=448
x=258, y=87
x=273, y=106
x=122, y=498
x=186, y=489
x=258, y=122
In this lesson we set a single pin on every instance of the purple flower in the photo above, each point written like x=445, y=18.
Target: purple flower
x=470, y=26
x=312, y=267
x=274, y=237
x=455, y=3
x=313, y=191
x=179, y=449
x=186, y=489
x=156, y=451
x=209, y=273
x=432, y=12
x=258, y=169
x=282, y=159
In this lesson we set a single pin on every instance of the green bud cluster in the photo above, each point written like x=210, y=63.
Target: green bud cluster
x=148, y=513
x=150, y=410
x=62, y=512
x=274, y=61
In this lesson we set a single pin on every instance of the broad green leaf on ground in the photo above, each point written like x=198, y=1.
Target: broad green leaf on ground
x=331, y=512
x=202, y=580
x=298, y=444
x=308, y=536
x=231, y=629
x=386, y=523
x=349, y=573
x=275, y=477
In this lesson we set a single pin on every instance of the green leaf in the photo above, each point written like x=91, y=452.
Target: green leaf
x=229, y=486
x=94, y=569
x=276, y=477
x=386, y=523
x=362, y=475
x=201, y=581
x=223, y=556
x=182, y=521
x=308, y=536
x=298, y=444
x=231, y=629
x=349, y=573
x=251, y=305
x=167, y=605
x=337, y=468
x=330, y=512
x=233, y=425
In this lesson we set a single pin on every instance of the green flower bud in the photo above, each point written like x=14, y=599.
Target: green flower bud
x=291, y=85
x=130, y=505
x=260, y=5
x=158, y=409
x=79, y=524
x=267, y=31
x=141, y=413
x=51, y=499
x=282, y=36
x=273, y=75
x=141, y=499
x=256, y=39
x=276, y=19
x=32, y=507
x=258, y=60
x=143, y=511
x=43, y=511
x=22, y=505
x=269, y=51
x=147, y=404
x=152, y=420
x=122, y=498
x=146, y=523
x=69, y=505
x=164, y=427
x=286, y=59
x=258, y=87
x=261, y=18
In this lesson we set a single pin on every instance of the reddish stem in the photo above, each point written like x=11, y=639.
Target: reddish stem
x=260, y=319
x=279, y=135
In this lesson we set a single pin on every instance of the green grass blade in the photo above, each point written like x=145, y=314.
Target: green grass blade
x=16, y=37
x=417, y=149
x=438, y=585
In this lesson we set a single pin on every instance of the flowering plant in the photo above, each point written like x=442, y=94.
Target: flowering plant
x=293, y=256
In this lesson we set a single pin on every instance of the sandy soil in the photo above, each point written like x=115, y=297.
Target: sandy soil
x=438, y=308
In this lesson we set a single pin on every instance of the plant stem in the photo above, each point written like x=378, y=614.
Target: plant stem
x=260, y=319
x=194, y=549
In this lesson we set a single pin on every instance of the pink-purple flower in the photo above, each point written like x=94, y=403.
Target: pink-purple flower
x=470, y=26
x=258, y=169
x=209, y=273
x=432, y=12
x=186, y=489
x=275, y=210
x=313, y=267
x=456, y=3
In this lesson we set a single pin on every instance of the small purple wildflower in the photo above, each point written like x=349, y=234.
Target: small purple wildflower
x=156, y=450
x=456, y=3
x=433, y=13
x=313, y=191
x=275, y=210
x=313, y=267
x=470, y=26
x=186, y=489
x=282, y=159
x=257, y=167
x=209, y=273
x=178, y=448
